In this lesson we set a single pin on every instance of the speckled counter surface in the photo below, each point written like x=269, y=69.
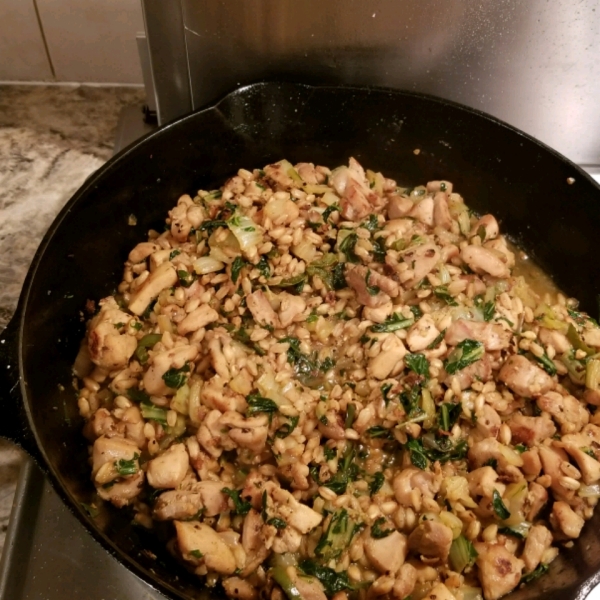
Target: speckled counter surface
x=51, y=139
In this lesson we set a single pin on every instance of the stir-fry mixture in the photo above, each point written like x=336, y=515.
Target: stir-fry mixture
x=329, y=386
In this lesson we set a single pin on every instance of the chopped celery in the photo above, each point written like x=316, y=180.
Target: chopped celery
x=577, y=341
x=338, y=536
x=247, y=232
x=148, y=341
x=154, y=413
x=592, y=374
x=462, y=554
x=280, y=575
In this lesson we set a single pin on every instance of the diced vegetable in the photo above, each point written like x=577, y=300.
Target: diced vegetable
x=247, y=232
x=280, y=575
x=127, y=467
x=466, y=352
x=378, y=529
x=175, y=378
x=542, y=569
x=462, y=554
x=207, y=264
x=498, y=506
x=394, y=322
x=418, y=364
x=180, y=400
x=332, y=581
x=148, y=341
x=337, y=537
x=241, y=507
x=260, y=404
x=592, y=374
x=153, y=413
x=577, y=341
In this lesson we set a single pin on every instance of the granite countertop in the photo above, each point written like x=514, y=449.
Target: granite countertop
x=51, y=139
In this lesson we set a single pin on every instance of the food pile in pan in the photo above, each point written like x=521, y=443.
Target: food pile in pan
x=331, y=386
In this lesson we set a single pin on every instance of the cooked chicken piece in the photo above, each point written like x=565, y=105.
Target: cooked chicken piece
x=525, y=378
x=484, y=261
x=388, y=362
x=488, y=422
x=422, y=211
x=421, y=259
x=411, y=479
x=537, y=496
x=194, y=537
x=441, y=213
x=101, y=423
x=354, y=203
x=168, y=469
x=160, y=363
x=109, y=341
x=287, y=540
x=217, y=393
x=198, y=318
x=240, y=589
x=378, y=314
x=261, y=309
x=539, y=539
x=142, y=251
x=405, y=581
x=499, y=570
x=490, y=228
x=278, y=173
x=588, y=465
x=333, y=428
x=214, y=500
x=556, y=339
x=254, y=486
x=399, y=206
x=298, y=515
x=291, y=307
x=384, y=287
x=110, y=450
x=281, y=211
x=530, y=430
x=439, y=592
x=431, y=539
x=307, y=172
x=552, y=460
x=491, y=449
x=480, y=370
x=120, y=493
x=591, y=337
x=492, y=335
x=163, y=277
x=177, y=504
x=422, y=334
x=570, y=414
x=251, y=532
x=500, y=248
x=387, y=554
x=566, y=520
x=482, y=482
x=248, y=432
x=532, y=465
x=181, y=225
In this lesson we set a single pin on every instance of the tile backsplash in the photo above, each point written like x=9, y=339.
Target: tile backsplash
x=89, y=41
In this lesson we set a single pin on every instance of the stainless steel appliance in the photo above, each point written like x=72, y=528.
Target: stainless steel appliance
x=528, y=62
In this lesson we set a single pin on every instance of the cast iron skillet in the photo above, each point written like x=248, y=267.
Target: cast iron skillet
x=497, y=169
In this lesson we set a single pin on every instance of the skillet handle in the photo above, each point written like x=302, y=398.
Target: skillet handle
x=13, y=420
